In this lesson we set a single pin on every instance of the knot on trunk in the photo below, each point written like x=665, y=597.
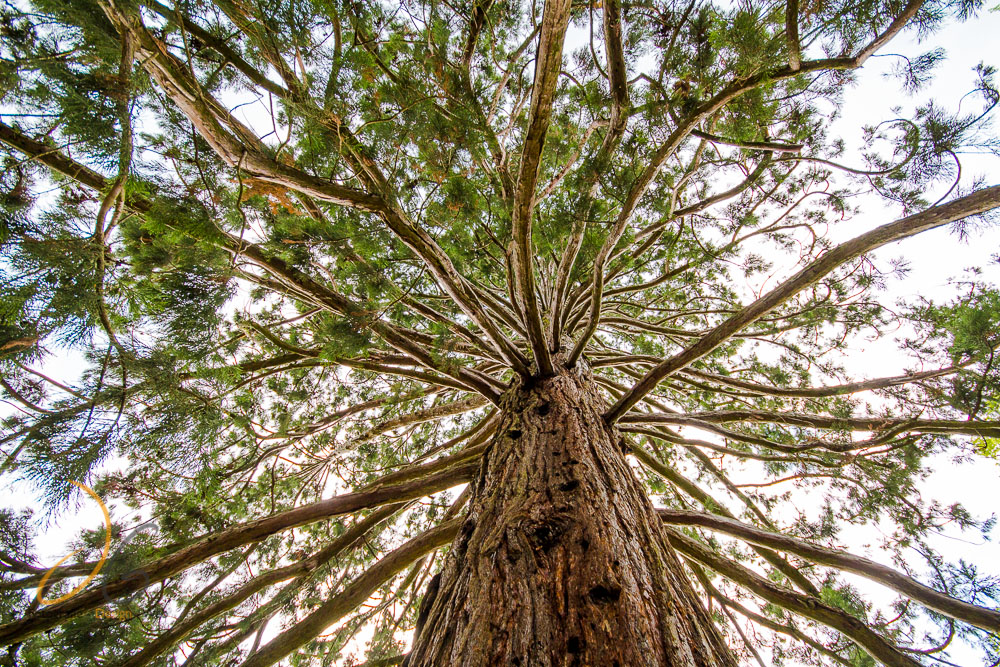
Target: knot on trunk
x=546, y=533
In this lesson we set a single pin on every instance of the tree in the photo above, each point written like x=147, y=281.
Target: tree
x=329, y=261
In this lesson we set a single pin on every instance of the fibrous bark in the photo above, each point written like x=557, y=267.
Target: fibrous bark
x=562, y=560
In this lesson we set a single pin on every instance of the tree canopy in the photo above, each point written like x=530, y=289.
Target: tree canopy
x=305, y=247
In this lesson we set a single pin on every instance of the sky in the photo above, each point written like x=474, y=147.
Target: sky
x=934, y=258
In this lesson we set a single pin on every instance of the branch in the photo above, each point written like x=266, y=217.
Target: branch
x=233, y=141
x=990, y=429
x=432, y=413
x=232, y=538
x=548, y=63
x=804, y=605
x=617, y=72
x=711, y=200
x=662, y=433
x=981, y=617
x=708, y=502
x=261, y=581
x=771, y=146
x=937, y=216
x=818, y=392
x=475, y=27
x=219, y=46
x=51, y=157
x=792, y=33
x=894, y=28
x=353, y=595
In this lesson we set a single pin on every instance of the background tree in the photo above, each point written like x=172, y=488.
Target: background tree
x=328, y=261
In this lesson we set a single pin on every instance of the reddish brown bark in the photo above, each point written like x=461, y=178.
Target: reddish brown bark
x=561, y=560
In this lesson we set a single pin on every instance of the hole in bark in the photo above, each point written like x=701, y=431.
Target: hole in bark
x=605, y=594
x=570, y=485
x=574, y=645
x=462, y=542
x=514, y=433
x=543, y=409
x=545, y=535
x=585, y=544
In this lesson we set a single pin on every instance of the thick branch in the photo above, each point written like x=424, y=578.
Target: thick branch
x=792, y=33
x=548, y=63
x=987, y=619
x=353, y=595
x=479, y=12
x=219, y=46
x=990, y=429
x=232, y=538
x=302, y=567
x=894, y=28
x=854, y=629
x=937, y=216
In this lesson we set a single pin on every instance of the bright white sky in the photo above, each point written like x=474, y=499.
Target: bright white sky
x=934, y=257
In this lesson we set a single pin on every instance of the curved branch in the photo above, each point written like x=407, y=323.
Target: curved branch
x=789, y=629
x=708, y=502
x=804, y=605
x=973, y=204
x=302, y=567
x=220, y=47
x=990, y=429
x=548, y=63
x=981, y=617
x=232, y=538
x=353, y=595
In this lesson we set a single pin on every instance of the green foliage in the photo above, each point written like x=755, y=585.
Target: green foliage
x=251, y=345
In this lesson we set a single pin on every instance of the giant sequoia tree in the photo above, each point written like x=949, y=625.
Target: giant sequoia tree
x=328, y=261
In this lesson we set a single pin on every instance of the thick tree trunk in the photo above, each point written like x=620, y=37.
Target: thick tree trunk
x=562, y=559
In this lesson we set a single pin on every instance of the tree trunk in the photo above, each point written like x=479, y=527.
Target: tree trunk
x=562, y=560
